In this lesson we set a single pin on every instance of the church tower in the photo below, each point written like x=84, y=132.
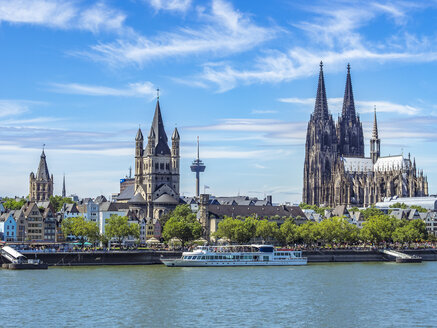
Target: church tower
x=41, y=185
x=320, y=151
x=156, y=169
x=349, y=128
x=375, y=142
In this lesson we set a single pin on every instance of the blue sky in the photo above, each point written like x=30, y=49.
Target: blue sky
x=80, y=76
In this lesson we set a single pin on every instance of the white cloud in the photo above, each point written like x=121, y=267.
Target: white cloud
x=170, y=5
x=333, y=36
x=255, y=111
x=361, y=105
x=61, y=14
x=139, y=89
x=100, y=17
x=209, y=152
x=12, y=108
x=225, y=31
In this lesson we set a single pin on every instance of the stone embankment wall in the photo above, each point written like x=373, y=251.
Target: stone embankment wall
x=103, y=258
x=340, y=255
x=146, y=257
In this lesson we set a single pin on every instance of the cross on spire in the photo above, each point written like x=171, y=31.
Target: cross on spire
x=157, y=93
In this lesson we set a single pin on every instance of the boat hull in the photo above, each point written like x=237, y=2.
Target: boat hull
x=188, y=263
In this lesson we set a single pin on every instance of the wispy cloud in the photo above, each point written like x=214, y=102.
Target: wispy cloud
x=255, y=111
x=139, y=89
x=15, y=107
x=363, y=106
x=333, y=35
x=224, y=31
x=61, y=14
x=170, y=5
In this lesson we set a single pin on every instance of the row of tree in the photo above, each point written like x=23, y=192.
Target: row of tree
x=377, y=229
x=117, y=227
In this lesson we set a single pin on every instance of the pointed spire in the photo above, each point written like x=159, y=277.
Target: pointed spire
x=139, y=136
x=321, y=106
x=152, y=133
x=348, y=111
x=64, y=193
x=160, y=135
x=43, y=171
x=375, y=125
x=175, y=135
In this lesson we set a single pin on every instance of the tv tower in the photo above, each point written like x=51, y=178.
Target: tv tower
x=197, y=166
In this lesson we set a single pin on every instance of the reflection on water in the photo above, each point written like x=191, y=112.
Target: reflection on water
x=317, y=295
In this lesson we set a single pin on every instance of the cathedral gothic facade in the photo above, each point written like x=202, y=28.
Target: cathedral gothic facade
x=336, y=172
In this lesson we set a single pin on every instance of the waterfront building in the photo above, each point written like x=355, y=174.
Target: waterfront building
x=430, y=220
x=156, y=187
x=41, y=184
x=51, y=221
x=21, y=224
x=69, y=210
x=106, y=209
x=33, y=222
x=8, y=227
x=336, y=172
x=210, y=215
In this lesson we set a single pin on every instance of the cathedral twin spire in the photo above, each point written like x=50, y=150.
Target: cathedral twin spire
x=321, y=106
x=348, y=111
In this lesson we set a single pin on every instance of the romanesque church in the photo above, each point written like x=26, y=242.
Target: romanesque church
x=156, y=188
x=336, y=172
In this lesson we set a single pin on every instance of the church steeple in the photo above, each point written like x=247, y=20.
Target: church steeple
x=64, y=193
x=161, y=146
x=375, y=125
x=349, y=128
x=43, y=171
x=348, y=112
x=321, y=105
x=375, y=143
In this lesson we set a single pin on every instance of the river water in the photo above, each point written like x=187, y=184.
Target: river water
x=317, y=295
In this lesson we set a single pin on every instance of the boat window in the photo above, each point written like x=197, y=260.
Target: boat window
x=202, y=258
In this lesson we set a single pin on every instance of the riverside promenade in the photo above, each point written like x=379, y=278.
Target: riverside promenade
x=149, y=257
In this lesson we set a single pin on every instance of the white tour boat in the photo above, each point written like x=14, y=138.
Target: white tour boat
x=237, y=255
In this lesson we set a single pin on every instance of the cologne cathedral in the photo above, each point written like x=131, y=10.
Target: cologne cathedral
x=336, y=172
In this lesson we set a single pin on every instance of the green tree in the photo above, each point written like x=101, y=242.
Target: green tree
x=371, y=212
x=378, y=228
x=288, y=232
x=419, y=208
x=12, y=204
x=226, y=228
x=399, y=205
x=58, y=201
x=309, y=233
x=183, y=225
x=118, y=227
x=266, y=229
x=245, y=230
x=81, y=229
x=315, y=208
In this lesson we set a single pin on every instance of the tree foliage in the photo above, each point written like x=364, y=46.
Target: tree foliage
x=12, y=204
x=183, y=225
x=118, y=227
x=58, y=201
x=371, y=211
x=81, y=229
x=315, y=208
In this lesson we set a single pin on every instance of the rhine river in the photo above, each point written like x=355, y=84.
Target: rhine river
x=317, y=295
